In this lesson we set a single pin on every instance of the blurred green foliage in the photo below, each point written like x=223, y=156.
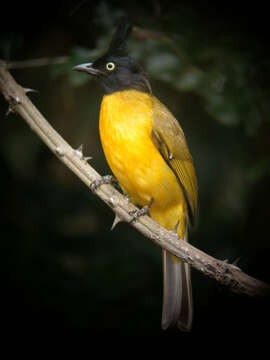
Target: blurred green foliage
x=61, y=265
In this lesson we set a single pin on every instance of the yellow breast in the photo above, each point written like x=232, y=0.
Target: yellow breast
x=125, y=131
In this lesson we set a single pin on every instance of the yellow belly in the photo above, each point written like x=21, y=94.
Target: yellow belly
x=125, y=131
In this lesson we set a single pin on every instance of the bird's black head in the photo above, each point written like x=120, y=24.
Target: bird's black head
x=115, y=69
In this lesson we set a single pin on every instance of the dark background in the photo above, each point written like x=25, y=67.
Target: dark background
x=61, y=267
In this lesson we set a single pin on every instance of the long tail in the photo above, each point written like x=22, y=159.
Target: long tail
x=177, y=293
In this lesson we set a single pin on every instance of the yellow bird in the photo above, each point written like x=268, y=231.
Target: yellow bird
x=147, y=152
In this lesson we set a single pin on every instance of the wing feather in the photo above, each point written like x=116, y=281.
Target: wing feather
x=169, y=138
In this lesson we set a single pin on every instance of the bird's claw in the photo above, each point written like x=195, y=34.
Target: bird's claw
x=107, y=179
x=135, y=214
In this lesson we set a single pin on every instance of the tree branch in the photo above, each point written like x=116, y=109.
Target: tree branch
x=22, y=64
x=226, y=274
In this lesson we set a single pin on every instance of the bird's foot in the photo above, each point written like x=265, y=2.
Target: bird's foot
x=107, y=179
x=138, y=213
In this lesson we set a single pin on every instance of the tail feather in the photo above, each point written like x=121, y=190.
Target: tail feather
x=184, y=321
x=177, y=293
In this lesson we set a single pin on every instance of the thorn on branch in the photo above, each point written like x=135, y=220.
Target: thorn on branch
x=227, y=266
x=28, y=90
x=79, y=153
x=86, y=158
x=116, y=221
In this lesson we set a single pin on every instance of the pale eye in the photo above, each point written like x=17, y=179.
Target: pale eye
x=110, y=66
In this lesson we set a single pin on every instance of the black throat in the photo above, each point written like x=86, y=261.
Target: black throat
x=115, y=83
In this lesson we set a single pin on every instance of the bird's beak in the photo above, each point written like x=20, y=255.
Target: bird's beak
x=87, y=67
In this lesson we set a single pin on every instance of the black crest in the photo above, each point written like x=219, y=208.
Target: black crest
x=119, y=40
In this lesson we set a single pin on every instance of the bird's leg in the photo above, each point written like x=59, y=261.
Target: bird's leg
x=107, y=179
x=143, y=211
x=176, y=227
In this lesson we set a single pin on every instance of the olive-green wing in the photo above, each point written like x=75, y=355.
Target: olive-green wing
x=169, y=138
